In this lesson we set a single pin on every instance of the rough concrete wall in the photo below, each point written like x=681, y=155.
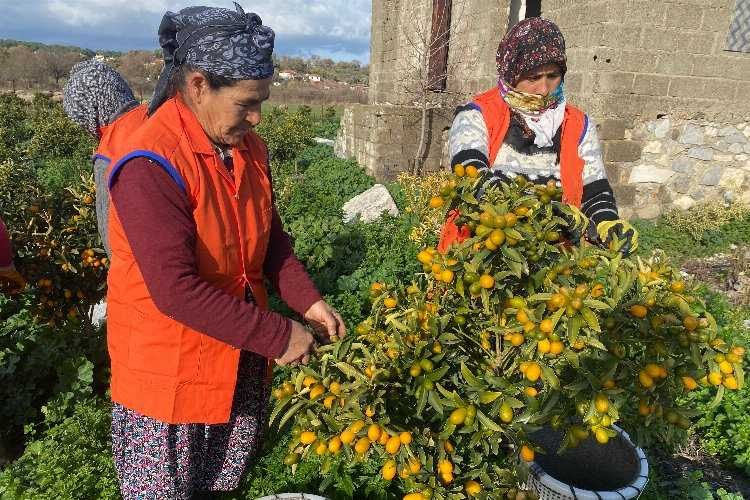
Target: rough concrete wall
x=400, y=32
x=383, y=138
x=636, y=59
x=477, y=28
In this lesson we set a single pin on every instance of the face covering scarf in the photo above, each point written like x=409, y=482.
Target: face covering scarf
x=543, y=114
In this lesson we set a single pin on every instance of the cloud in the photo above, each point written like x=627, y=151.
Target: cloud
x=339, y=29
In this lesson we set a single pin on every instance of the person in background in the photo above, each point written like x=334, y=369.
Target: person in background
x=195, y=234
x=99, y=100
x=525, y=127
x=11, y=281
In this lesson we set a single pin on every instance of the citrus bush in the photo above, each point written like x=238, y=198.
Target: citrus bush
x=510, y=331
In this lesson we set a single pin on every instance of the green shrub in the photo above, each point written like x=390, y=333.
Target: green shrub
x=71, y=460
x=286, y=134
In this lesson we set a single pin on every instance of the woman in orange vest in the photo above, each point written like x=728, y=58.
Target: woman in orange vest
x=98, y=99
x=195, y=237
x=525, y=127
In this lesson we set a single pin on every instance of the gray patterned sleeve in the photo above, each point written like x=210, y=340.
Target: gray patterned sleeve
x=467, y=141
x=598, y=202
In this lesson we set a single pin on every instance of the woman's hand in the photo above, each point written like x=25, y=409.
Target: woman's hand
x=325, y=321
x=301, y=344
x=11, y=281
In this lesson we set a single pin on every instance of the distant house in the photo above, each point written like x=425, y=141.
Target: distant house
x=313, y=78
x=287, y=75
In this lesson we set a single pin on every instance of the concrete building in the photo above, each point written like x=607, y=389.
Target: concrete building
x=666, y=81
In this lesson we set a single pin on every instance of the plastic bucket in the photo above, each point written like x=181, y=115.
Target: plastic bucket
x=617, y=470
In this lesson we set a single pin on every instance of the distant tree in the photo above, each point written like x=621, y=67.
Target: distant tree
x=21, y=65
x=55, y=63
x=141, y=69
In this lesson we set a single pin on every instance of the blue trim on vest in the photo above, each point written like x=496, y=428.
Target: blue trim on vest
x=98, y=156
x=585, y=128
x=160, y=160
x=474, y=105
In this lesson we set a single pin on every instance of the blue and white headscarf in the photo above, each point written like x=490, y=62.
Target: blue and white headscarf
x=222, y=42
x=95, y=95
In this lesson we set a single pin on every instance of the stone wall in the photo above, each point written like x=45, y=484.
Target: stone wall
x=682, y=163
x=383, y=138
x=636, y=59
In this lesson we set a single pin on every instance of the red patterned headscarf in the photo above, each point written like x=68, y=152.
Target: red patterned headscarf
x=529, y=44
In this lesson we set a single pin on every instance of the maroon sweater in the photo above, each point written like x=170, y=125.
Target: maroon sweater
x=6, y=250
x=169, y=267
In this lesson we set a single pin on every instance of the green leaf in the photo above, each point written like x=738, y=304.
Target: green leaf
x=486, y=397
x=574, y=328
x=290, y=413
x=469, y=377
x=591, y=319
x=487, y=423
x=434, y=401
x=421, y=399
x=512, y=254
x=549, y=375
x=717, y=399
x=539, y=297
x=350, y=371
x=596, y=304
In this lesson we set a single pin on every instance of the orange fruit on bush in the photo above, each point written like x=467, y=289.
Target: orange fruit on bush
x=486, y=281
x=638, y=311
x=730, y=382
x=414, y=466
x=347, y=436
x=472, y=488
x=546, y=326
x=601, y=403
x=373, y=432
x=405, y=438
x=307, y=437
x=714, y=378
x=436, y=202
x=726, y=367
x=531, y=392
x=556, y=347
x=424, y=257
x=533, y=372
x=689, y=383
x=390, y=302
x=645, y=379
x=414, y=496
x=543, y=346
x=317, y=391
x=321, y=448
x=459, y=170
x=388, y=471
x=526, y=454
x=517, y=339
x=690, y=323
x=497, y=237
x=334, y=445
x=328, y=401
x=457, y=416
x=446, y=276
x=363, y=444
x=472, y=172
x=393, y=444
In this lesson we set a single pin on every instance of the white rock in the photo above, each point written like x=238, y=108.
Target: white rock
x=370, y=205
x=327, y=142
x=732, y=178
x=684, y=202
x=711, y=131
x=723, y=157
x=661, y=128
x=742, y=157
x=649, y=173
x=653, y=147
x=691, y=134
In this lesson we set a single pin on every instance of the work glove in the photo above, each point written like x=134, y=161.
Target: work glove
x=617, y=235
x=11, y=281
x=576, y=223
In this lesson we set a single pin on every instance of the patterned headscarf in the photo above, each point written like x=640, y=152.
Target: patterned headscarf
x=219, y=41
x=95, y=95
x=529, y=44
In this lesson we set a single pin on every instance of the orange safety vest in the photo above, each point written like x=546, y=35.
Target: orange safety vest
x=161, y=368
x=496, y=114
x=116, y=135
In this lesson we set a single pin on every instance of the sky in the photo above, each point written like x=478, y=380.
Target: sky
x=339, y=29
